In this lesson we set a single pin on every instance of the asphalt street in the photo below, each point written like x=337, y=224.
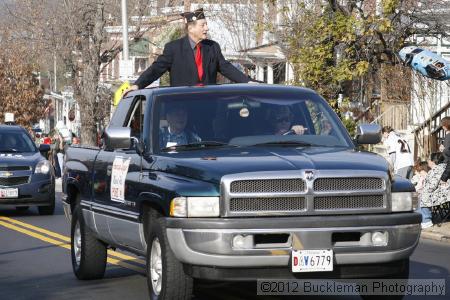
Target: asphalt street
x=35, y=264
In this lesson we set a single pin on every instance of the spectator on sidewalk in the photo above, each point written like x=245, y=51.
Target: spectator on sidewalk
x=433, y=193
x=399, y=153
x=445, y=124
x=58, y=150
x=421, y=170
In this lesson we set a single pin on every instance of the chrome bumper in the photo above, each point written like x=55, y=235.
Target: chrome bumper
x=214, y=247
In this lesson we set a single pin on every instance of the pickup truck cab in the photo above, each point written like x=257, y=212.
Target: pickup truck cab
x=237, y=182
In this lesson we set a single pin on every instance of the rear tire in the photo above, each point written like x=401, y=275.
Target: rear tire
x=50, y=209
x=403, y=274
x=88, y=253
x=166, y=279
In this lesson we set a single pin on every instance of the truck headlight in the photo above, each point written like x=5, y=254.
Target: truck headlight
x=42, y=167
x=405, y=201
x=195, y=207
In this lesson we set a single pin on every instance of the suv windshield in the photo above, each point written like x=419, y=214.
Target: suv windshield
x=225, y=119
x=16, y=141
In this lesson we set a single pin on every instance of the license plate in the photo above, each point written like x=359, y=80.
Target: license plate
x=312, y=260
x=9, y=193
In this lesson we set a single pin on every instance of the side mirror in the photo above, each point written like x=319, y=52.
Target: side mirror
x=44, y=148
x=368, y=134
x=117, y=138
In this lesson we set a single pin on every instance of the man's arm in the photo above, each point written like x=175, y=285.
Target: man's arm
x=227, y=69
x=157, y=69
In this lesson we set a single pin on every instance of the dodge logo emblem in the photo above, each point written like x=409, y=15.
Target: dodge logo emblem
x=309, y=175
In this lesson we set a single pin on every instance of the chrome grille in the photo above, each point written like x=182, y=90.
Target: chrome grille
x=347, y=184
x=348, y=202
x=11, y=181
x=268, y=186
x=267, y=204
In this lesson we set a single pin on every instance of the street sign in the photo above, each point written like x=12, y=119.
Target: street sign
x=119, y=92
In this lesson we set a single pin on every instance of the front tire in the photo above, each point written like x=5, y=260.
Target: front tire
x=49, y=209
x=88, y=253
x=165, y=275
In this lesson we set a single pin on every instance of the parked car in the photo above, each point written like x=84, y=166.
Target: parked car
x=26, y=176
x=237, y=182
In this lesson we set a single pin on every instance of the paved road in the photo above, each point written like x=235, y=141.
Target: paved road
x=35, y=264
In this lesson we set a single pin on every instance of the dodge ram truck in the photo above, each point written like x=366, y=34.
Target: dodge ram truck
x=237, y=182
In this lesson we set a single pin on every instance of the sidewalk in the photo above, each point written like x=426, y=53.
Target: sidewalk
x=437, y=233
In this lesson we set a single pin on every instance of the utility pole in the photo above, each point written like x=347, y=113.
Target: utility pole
x=125, y=64
x=125, y=30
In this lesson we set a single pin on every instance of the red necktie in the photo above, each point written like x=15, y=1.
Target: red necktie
x=198, y=62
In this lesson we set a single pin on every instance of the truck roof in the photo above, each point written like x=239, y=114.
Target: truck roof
x=225, y=88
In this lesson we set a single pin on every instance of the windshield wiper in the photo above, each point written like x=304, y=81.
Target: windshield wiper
x=198, y=145
x=9, y=150
x=285, y=143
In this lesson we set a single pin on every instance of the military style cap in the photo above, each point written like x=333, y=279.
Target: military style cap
x=193, y=16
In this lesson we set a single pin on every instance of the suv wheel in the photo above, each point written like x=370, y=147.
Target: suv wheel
x=165, y=275
x=50, y=209
x=88, y=253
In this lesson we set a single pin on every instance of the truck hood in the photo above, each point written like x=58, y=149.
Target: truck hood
x=210, y=165
x=20, y=159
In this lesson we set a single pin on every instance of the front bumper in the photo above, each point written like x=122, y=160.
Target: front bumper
x=209, y=242
x=35, y=193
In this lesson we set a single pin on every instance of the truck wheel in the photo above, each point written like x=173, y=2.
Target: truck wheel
x=165, y=276
x=88, y=253
x=403, y=274
x=50, y=209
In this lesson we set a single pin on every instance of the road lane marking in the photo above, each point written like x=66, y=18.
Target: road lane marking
x=67, y=239
x=65, y=245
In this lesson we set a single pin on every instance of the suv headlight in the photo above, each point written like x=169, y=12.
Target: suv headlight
x=42, y=167
x=195, y=207
x=405, y=201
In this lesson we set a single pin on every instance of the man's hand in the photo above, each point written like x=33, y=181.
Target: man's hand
x=131, y=88
x=298, y=129
x=443, y=183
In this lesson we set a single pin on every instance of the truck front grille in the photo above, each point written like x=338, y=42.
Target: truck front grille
x=290, y=185
x=276, y=204
x=294, y=192
x=348, y=202
x=347, y=184
x=11, y=181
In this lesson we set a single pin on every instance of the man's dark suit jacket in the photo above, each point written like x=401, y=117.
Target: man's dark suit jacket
x=178, y=59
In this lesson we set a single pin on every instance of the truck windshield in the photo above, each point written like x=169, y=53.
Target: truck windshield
x=16, y=141
x=247, y=120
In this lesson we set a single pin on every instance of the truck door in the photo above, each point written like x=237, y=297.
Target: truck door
x=123, y=171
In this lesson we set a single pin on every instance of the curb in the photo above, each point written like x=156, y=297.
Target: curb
x=435, y=236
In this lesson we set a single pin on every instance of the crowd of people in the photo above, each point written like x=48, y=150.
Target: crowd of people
x=431, y=177
x=58, y=145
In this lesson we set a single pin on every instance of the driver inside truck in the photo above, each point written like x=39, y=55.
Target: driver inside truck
x=281, y=119
x=176, y=132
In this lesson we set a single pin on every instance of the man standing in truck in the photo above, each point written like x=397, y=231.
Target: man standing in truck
x=191, y=60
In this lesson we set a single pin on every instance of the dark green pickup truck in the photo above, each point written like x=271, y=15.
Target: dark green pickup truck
x=237, y=182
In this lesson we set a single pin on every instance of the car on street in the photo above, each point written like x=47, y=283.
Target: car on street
x=26, y=176
x=237, y=182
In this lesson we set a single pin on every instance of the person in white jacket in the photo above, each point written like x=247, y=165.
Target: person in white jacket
x=399, y=153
